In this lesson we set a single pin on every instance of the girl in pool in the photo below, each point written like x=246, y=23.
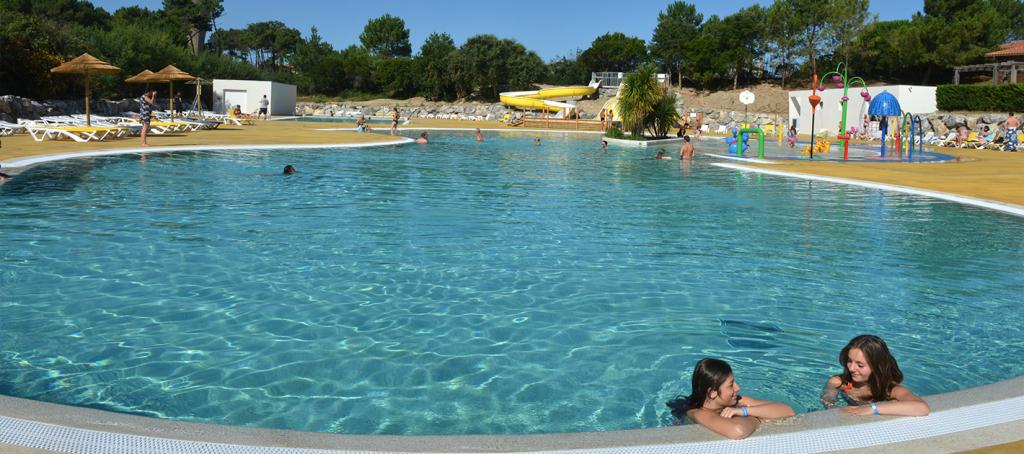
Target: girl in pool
x=791, y=136
x=716, y=403
x=870, y=382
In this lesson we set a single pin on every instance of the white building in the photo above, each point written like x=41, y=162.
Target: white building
x=247, y=93
x=916, y=99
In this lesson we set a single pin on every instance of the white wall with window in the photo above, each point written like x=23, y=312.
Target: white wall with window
x=247, y=94
x=916, y=99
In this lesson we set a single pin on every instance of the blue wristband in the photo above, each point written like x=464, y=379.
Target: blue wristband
x=874, y=407
x=744, y=408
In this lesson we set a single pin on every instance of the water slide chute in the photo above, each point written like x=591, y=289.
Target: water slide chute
x=543, y=99
x=612, y=107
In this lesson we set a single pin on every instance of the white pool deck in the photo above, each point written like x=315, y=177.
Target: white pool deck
x=978, y=417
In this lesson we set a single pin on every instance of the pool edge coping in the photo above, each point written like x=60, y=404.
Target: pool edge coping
x=819, y=431
x=1008, y=208
x=28, y=161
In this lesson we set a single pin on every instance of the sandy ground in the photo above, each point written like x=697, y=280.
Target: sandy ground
x=767, y=99
x=987, y=174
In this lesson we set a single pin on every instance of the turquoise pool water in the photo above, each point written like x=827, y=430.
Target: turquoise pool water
x=473, y=288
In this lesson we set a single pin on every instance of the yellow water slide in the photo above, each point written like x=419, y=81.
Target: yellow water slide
x=611, y=109
x=544, y=99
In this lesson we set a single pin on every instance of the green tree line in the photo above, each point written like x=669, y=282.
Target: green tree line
x=784, y=42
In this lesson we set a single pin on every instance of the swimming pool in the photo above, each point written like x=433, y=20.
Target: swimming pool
x=463, y=287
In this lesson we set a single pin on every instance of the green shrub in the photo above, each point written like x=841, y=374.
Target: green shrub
x=614, y=133
x=983, y=98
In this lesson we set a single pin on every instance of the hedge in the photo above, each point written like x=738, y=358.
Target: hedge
x=981, y=98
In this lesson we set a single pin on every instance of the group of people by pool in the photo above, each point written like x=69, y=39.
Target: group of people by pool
x=871, y=384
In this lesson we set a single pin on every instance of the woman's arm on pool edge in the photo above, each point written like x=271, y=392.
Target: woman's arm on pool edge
x=766, y=409
x=904, y=403
x=831, y=391
x=734, y=428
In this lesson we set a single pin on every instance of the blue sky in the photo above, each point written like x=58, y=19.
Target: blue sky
x=551, y=28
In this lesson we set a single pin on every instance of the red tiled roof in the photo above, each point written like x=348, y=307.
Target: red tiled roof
x=1014, y=49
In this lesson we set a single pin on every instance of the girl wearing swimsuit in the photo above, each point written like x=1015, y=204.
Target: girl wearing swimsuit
x=870, y=382
x=715, y=402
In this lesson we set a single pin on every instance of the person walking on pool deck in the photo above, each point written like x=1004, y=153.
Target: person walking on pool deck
x=870, y=381
x=716, y=403
x=179, y=107
x=148, y=101
x=264, y=106
x=394, y=121
x=1012, y=124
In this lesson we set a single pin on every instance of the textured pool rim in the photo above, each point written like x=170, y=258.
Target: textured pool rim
x=63, y=428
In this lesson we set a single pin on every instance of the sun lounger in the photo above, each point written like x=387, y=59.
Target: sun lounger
x=972, y=141
x=240, y=120
x=948, y=141
x=76, y=133
x=7, y=129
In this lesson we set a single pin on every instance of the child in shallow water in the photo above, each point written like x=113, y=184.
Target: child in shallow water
x=717, y=405
x=870, y=381
x=791, y=137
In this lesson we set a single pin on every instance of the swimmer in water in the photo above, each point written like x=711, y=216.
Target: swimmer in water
x=871, y=382
x=479, y=135
x=423, y=138
x=715, y=402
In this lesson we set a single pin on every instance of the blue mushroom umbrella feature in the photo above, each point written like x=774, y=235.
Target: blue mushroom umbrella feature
x=886, y=105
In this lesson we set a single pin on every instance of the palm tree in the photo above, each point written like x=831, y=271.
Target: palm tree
x=663, y=116
x=637, y=97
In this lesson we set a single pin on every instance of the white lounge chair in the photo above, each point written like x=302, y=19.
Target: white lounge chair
x=949, y=140
x=7, y=129
x=76, y=133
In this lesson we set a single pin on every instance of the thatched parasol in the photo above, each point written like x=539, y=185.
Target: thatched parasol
x=140, y=78
x=86, y=64
x=170, y=74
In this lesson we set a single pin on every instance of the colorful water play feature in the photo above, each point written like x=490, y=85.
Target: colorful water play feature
x=468, y=287
x=823, y=152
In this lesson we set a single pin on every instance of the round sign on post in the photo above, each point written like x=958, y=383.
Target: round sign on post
x=747, y=98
